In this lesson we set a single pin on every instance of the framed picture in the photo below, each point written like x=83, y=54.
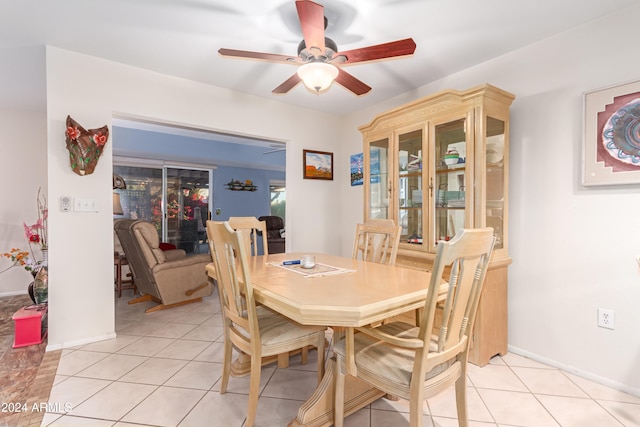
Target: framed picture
x=612, y=135
x=357, y=175
x=317, y=164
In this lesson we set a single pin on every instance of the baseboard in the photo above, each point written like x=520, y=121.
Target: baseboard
x=53, y=347
x=12, y=293
x=573, y=370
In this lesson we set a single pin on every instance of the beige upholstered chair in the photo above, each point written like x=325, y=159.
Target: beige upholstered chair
x=254, y=229
x=377, y=240
x=254, y=330
x=413, y=362
x=170, y=278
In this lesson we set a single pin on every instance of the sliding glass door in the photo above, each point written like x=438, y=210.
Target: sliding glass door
x=187, y=208
x=174, y=199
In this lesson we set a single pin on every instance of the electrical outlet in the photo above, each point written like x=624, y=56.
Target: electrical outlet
x=606, y=318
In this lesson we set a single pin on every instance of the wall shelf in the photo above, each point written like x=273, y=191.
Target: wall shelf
x=241, y=186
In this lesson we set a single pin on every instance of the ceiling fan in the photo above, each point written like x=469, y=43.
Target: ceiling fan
x=320, y=62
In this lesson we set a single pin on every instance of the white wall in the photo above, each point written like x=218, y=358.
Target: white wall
x=23, y=168
x=91, y=90
x=573, y=247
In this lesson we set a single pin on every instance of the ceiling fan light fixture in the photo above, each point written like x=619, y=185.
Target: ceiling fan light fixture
x=317, y=76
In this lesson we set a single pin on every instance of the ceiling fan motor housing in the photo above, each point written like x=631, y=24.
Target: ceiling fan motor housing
x=330, y=49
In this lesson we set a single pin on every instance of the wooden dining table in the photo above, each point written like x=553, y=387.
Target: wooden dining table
x=339, y=293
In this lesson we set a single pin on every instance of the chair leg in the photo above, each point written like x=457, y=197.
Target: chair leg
x=338, y=406
x=320, y=350
x=254, y=389
x=416, y=404
x=304, y=355
x=283, y=360
x=461, y=399
x=226, y=365
x=418, y=314
x=141, y=298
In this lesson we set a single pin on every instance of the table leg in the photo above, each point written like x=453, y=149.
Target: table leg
x=241, y=366
x=118, y=263
x=318, y=410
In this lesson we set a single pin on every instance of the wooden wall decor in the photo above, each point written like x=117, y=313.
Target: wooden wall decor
x=85, y=146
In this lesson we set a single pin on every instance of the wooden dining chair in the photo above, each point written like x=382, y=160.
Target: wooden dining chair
x=377, y=240
x=417, y=362
x=254, y=228
x=254, y=330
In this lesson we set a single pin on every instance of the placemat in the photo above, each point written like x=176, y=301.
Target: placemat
x=317, y=271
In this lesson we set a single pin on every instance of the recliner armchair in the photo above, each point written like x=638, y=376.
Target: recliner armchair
x=170, y=278
x=275, y=230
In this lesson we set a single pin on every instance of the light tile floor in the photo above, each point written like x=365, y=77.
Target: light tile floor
x=163, y=369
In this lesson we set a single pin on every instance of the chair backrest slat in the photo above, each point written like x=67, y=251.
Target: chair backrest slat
x=377, y=241
x=253, y=228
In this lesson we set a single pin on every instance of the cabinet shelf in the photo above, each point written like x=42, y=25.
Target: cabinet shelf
x=416, y=173
x=457, y=168
x=451, y=208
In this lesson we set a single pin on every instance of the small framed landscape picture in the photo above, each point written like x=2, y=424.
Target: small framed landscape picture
x=317, y=164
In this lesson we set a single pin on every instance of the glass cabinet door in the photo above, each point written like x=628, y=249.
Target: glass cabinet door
x=449, y=183
x=409, y=192
x=495, y=178
x=379, y=179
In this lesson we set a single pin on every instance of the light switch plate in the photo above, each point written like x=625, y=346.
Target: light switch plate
x=85, y=205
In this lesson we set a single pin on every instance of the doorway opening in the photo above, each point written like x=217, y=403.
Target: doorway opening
x=176, y=176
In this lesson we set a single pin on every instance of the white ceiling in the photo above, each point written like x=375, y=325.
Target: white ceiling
x=181, y=38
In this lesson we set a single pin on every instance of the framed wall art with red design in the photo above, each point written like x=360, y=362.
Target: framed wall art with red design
x=612, y=135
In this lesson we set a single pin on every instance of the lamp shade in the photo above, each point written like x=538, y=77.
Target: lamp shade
x=118, y=182
x=318, y=76
x=117, y=206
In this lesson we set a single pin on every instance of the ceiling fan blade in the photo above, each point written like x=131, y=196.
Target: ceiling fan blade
x=288, y=84
x=275, y=151
x=381, y=51
x=272, y=57
x=349, y=82
x=311, y=17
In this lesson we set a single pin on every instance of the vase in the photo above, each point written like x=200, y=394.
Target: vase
x=41, y=282
x=30, y=287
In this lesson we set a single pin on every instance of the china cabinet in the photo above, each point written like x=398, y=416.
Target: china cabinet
x=440, y=164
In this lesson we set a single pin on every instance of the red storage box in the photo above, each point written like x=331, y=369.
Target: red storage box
x=30, y=325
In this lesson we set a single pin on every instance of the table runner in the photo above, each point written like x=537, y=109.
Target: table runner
x=318, y=270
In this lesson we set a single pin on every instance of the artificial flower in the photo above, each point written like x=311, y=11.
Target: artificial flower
x=34, y=234
x=99, y=139
x=73, y=132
